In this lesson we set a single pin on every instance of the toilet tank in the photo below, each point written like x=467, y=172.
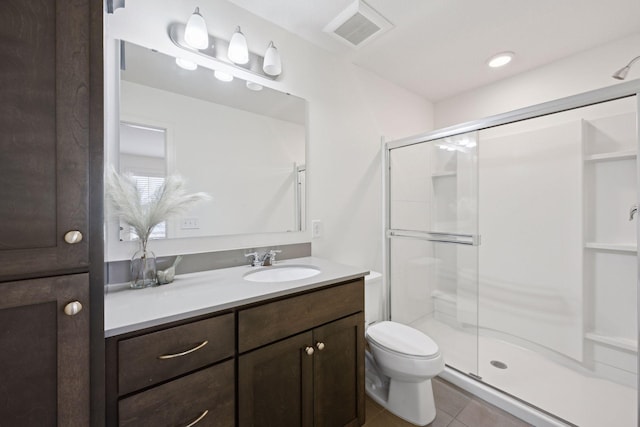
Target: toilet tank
x=372, y=298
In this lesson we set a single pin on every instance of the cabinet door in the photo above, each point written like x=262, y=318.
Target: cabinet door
x=44, y=136
x=339, y=373
x=44, y=379
x=275, y=385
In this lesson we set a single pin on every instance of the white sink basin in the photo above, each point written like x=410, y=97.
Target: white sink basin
x=283, y=273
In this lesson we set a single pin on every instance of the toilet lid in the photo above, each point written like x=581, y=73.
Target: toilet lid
x=402, y=339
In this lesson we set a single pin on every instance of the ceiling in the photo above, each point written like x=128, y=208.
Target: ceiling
x=439, y=48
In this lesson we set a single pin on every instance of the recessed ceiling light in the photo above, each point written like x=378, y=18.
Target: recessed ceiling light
x=500, y=59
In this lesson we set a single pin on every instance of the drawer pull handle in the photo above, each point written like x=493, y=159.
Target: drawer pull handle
x=309, y=351
x=320, y=346
x=184, y=353
x=204, y=414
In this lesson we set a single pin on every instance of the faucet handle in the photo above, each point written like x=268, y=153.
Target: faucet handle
x=272, y=254
x=255, y=261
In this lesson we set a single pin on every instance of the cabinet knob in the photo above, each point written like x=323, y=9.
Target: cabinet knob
x=308, y=350
x=320, y=346
x=72, y=237
x=73, y=308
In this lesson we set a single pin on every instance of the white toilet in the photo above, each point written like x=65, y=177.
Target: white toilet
x=400, y=363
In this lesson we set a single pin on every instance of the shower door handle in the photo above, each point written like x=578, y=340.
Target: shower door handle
x=438, y=236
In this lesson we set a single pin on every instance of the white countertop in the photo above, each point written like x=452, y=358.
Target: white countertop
x=193, y=294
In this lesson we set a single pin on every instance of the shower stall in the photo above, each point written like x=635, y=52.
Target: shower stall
x=511, y=242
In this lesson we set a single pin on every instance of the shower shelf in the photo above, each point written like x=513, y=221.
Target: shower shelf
x=618, y=247
x=620, y=342
x=443, y=174
x=614, y=155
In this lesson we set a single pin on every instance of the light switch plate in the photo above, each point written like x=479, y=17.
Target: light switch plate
x=317, y=229
x=190, y=224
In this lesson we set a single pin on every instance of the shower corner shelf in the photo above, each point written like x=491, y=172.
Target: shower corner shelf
x=617, y=247
x=443, y=174
x=613, y=155
x=619, y=342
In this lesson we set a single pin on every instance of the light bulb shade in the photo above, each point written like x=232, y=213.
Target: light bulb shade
x=222, y=76
x=186, y=64
x=195, y=33
x=254, y=86
x=238, y=50
x=272, y=63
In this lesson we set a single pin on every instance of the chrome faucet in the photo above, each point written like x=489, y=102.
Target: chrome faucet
x=265, y=259
x=633, y=212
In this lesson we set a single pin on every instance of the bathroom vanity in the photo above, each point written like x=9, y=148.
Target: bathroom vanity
x=214, y=349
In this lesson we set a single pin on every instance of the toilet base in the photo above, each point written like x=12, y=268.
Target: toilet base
x=413, y=402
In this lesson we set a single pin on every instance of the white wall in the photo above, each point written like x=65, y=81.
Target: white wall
x=349, y=111
x=575, y=74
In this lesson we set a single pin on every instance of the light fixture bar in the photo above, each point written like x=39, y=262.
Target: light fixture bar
x=218, y=50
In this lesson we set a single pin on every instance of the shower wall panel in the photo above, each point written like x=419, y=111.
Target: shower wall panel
x=530, y=272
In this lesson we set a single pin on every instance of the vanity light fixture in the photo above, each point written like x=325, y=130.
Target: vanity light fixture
x=222, y=76
x=220, y=51
x=254, y=86
x=500, y=59
x=272, y=62
x=186, y=64
x=195, y=33
x=238, y=50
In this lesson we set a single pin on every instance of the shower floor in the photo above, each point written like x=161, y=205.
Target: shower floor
x=581, y=399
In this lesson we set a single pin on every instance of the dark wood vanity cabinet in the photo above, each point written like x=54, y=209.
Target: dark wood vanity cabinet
x=296, y=361
x=44, y=359
x=44, y=136
x=310, y=379
x=173, y=376
x=313, y=378
x=51, y=155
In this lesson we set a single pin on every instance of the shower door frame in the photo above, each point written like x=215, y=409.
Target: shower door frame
x=598, y=96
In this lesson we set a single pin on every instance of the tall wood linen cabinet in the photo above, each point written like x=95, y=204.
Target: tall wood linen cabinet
x=51, y=256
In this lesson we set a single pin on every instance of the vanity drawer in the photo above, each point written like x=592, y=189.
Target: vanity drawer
x=270, y=322
x=148, y=359
x=181, y=402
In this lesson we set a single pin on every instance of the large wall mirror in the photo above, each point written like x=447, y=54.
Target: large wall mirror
x=242, y=143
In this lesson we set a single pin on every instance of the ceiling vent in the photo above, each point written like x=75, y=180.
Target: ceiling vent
x=357, y=25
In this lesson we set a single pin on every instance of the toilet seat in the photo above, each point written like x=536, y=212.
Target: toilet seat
x=402, y=340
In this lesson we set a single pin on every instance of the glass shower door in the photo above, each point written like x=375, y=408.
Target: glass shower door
x=558, y=262
x=432, y=230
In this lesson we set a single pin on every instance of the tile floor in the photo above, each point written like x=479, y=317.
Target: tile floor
x=455, y=408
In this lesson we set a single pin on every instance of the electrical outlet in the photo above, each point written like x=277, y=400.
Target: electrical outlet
x=317, y=229
x=190, y=224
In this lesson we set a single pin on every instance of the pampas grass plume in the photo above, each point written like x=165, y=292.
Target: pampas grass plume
x=169, y=200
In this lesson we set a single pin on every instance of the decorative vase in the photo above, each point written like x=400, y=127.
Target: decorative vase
x=143, y=268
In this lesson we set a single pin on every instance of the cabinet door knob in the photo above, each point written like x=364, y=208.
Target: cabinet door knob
x=320, y=346
x=72, y=237
x=73, y=308
x=308, y=350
